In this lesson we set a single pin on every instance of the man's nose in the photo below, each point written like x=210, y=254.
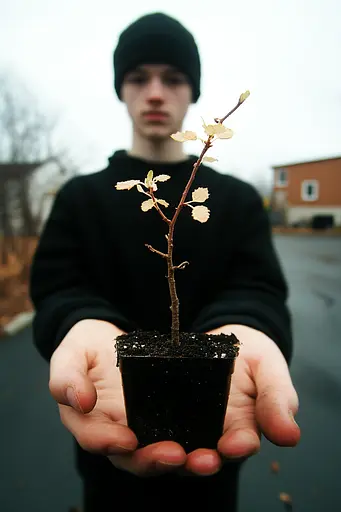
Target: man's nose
x=155, y=90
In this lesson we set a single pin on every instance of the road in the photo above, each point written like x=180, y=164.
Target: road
x=38, y=476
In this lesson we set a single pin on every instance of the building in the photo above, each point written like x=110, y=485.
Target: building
x=307, y=193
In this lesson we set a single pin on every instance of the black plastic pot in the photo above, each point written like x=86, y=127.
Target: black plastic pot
x=180, y=397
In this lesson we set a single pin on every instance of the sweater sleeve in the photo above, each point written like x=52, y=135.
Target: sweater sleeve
x=59, y=291
x=255, y=291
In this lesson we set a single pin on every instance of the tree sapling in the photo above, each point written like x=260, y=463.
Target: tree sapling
x=176, y=387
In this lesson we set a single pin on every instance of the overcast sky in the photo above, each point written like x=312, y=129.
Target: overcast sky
x=286, y=52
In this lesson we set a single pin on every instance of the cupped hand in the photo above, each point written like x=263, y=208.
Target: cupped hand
x=86, y=383
x=262, y=399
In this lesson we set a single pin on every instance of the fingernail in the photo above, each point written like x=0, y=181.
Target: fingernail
x=72, y=399
x=206, y=458
x=293, y=418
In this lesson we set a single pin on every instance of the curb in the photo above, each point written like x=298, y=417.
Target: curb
x=18, y=323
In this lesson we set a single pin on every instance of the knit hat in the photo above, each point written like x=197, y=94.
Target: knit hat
x=157, y=39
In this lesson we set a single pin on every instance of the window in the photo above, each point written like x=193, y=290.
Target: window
x=282, y=177
x=310, y=190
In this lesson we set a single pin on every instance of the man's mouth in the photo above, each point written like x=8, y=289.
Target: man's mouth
x=155, y=116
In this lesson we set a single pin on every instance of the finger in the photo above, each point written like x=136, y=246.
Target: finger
x=203, y=462
x=69, y=383
x=97, y=433
x=277, y=401
x=242, y=436
x=153, y=459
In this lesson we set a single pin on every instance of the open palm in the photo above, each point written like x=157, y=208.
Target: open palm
x=262, y=397
x=87, y=386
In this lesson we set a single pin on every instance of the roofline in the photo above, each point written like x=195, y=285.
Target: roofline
x=37, y=163
x=306, y=162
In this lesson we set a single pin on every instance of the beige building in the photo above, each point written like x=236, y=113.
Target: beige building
x=304, y=190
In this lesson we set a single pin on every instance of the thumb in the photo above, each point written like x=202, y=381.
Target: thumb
x=277, y=400
x=69, y=383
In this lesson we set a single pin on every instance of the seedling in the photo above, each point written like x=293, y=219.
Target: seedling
x=200, y=212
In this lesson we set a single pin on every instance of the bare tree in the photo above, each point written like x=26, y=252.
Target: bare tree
x=26, y=132
x=27, y=136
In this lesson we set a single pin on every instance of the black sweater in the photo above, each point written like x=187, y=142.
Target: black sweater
x=91, y=260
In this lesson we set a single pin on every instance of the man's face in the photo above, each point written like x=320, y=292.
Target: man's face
x=157, y=98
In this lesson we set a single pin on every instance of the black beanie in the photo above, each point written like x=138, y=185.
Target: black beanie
x=157, y=39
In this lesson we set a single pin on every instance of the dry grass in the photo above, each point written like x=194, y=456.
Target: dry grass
x=14, y=275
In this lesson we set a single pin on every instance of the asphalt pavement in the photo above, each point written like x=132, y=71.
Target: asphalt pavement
x=36, y=462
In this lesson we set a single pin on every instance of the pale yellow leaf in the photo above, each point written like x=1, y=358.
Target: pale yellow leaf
x=201, y=213
x=184, y=136
x=190, y=135
x=140, y=189
x=200, y=195
x=162, y=177
x=163, y=202
x=227, y=134
x=243, y=96
x=178, y=137
x=126, y=185
x=209, y=129
x=149, y=180
x=147, y=205
x=214, y=129
x=209, y=159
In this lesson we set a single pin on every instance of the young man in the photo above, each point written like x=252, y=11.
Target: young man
x=92, y=278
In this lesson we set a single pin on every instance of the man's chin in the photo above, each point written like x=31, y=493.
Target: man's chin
x=158, y=135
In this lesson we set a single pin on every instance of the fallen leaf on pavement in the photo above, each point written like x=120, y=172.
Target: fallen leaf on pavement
x=285, y=498
x=275, y=467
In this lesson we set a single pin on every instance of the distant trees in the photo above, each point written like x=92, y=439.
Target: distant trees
x=32, y=165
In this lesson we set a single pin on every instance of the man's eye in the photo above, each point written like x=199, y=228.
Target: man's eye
x=175, y=80
x=136, y=79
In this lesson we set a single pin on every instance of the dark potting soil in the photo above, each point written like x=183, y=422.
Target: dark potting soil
x=192, y=345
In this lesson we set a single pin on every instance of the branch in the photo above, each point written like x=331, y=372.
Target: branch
x=164, y=255
x=221, y=120
x=196, y=166
x=181, y=266
x=166, y=219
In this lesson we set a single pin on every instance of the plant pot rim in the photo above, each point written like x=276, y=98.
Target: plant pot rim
x=225, y=357
x=193, y=346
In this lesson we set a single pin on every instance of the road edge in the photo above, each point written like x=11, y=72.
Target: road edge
x=18, y=323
